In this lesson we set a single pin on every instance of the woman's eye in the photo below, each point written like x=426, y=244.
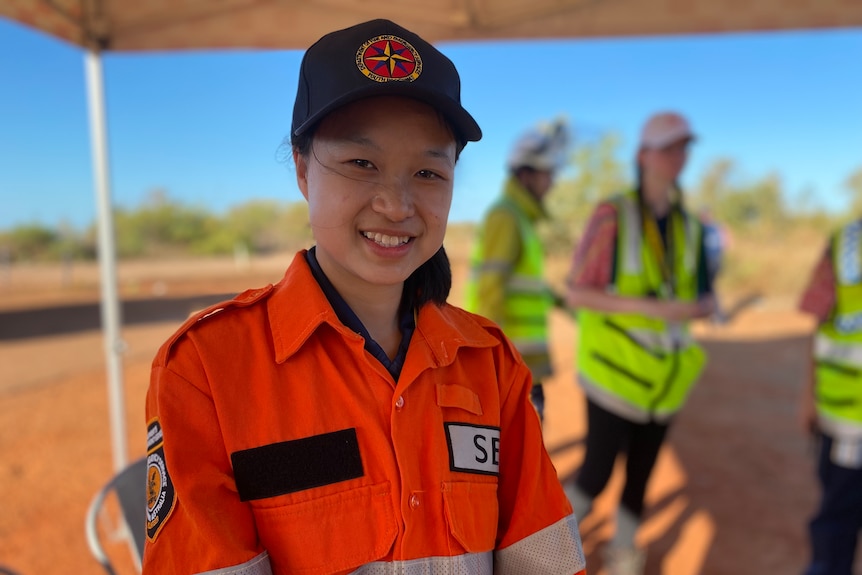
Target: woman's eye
x=361, y=163
x=427, y=174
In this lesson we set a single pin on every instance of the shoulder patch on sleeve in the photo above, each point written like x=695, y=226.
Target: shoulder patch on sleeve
x=161, y=496
x=244, y=299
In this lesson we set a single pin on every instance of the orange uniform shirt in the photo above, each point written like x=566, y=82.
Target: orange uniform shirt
x=278, y=444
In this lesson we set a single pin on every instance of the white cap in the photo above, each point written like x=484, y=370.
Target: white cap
x=664, y=129
x=543, y=147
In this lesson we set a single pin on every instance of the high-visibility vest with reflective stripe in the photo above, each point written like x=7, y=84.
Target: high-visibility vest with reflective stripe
x=838, y=342
x=640, y=367
x=528, y=299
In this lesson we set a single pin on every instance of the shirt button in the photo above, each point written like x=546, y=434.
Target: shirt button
x=399, y=403
x=414, y=501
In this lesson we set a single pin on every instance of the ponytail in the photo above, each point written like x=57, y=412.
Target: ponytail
x=431, y=282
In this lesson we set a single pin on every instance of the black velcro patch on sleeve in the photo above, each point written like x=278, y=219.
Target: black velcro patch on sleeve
x=291, y=466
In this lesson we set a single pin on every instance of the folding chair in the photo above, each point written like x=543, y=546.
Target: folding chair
x=130, y=488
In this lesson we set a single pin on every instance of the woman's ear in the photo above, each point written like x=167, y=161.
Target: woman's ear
x=301, y=172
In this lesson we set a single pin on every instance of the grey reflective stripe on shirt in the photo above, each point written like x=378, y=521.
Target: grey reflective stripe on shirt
x=467, y=564
x=258, y=565
x=555, y=550
x=631, y=233
x=527, y=284
x=833, y=351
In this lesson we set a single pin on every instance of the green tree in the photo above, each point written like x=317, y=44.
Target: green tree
x=712, y=189
x=29, y=242
x=162, y=226
x=759, y=204
x=268, y=225
x=597, y=174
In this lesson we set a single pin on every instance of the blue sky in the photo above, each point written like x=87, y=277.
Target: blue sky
x=206, y=126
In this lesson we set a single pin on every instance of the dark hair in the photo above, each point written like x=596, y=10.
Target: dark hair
x=430, y=282
x=302, y=142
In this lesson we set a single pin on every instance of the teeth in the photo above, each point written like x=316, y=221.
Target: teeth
x=386, y=241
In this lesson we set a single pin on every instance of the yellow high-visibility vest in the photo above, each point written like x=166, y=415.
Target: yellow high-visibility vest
x=838, y=341
x=528, y=299
x=639, y=367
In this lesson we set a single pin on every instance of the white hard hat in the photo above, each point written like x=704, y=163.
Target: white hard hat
x=542, y=147
x=664, y=129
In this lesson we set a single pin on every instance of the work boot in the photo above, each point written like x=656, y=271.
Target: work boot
x=624, y=560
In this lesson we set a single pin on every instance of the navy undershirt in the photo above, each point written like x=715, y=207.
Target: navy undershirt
x=407, y=323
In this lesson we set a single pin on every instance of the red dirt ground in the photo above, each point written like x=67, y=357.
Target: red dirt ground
x=731, y=494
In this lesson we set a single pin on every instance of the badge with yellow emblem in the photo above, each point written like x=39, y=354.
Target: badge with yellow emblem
x=389, y=58
x=160, y=490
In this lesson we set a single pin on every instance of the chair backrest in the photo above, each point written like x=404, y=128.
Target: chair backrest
x=130, y=487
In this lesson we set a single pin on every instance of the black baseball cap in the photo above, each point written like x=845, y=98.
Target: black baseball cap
x=377, y=58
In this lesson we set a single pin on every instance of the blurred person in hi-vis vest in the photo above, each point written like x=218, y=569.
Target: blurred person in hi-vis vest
x=831, y=400
x=639, y=276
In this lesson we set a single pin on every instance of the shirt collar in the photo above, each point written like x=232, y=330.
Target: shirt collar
x=348, y=317
x=298, y=307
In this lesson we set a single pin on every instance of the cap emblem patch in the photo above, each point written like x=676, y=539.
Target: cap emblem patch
x=389, y=58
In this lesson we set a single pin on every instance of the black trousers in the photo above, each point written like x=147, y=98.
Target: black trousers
x=836, y=526
x=607, y=436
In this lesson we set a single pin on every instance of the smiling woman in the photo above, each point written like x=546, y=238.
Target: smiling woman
x=349, y=420
x=378, y=181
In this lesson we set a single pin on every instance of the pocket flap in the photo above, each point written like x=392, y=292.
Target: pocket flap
x=473, y=511
x=453, y=395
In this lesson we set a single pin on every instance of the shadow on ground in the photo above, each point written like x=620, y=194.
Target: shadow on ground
x=749, y=485
x=66, y=319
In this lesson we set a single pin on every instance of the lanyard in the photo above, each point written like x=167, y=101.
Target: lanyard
x=657, y=246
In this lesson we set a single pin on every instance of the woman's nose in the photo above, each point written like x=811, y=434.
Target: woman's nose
x=394, y=200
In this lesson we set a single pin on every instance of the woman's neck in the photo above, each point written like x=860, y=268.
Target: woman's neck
x=657, y=197
x=379, y=314
x=375, y=305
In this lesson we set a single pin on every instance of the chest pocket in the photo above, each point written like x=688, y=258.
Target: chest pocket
x=329, y=534
x=471, y=507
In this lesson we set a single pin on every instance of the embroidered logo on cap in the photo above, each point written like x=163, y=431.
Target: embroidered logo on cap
x=389, y=58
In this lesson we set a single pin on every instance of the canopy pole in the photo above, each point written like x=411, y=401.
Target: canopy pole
x=110, y=302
